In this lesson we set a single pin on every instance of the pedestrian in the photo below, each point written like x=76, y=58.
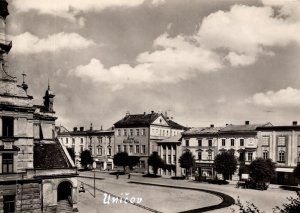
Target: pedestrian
x=128, y=175
x=117, y=175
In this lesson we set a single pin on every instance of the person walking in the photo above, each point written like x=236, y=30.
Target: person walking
x=117, y=175
x=128, y=175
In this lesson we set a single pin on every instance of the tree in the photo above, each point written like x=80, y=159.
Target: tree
x=133, y=161
x=86, y=158
x=121, y=159
x=297, y=171
x=156, y=162
x=187, y=161
x=71, y=153
x=226, y=164
x=262, y=170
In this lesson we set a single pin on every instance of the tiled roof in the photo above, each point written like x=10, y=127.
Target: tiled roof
x=175, y=125
x=50, y=155
x=202, y=130
x=173, y=139
x=137, y=120
x=242, y=128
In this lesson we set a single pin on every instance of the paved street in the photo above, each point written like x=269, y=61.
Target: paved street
x=167, y=199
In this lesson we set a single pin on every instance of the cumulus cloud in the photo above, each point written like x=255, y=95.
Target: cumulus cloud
x=246, y=32
x=178, y=59
x=27, y=43
x=69, y=9
x=237, y=37
x=288, y=97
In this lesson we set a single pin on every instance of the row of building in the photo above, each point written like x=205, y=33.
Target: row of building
x=142, y=134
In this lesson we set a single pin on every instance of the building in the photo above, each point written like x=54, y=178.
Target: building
x=203, y=144
x=37, y=174
x=99, y=142
x=170, y=150
x=138, y=134
x=282, y=145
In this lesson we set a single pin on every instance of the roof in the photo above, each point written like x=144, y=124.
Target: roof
x=175, y=125
x=137, y=120
x=243, y=128
x=173, y=139
x=279, y=128
x=202, y=130
x=50, y=155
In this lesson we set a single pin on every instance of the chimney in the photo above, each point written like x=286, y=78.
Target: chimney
x=75, y=129
x=144, y=113
x=212, y=125
x=152, y=111
x=295, y=123
x=226, y=124
x=127, y=113
x=101, y=128
x=81, y=129
x=91, y=127
x=247, y=122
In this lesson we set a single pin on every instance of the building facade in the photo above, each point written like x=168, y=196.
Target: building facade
x=138, y=135
x=99, y=142
x=282, y=145
x=37, y=174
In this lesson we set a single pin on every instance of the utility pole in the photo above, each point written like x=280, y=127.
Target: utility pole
x=94, y=166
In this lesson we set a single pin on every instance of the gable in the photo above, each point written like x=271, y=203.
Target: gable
x=160, y=121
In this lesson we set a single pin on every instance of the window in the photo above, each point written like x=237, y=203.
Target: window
x=7, y=126
x=109, y=151
x=143, y=132
x=242, y=156
x=109, y=141
x=209, y=142
x=67, y=141
x=124, y=148
x=100, y=150
x=199, y=155
x=125, y=132
x=265, y=140
x=142, y=164
x=209, y=157
x=242, y=142
x=265, y=154
x=281, y=156
x=169, y=159
x=131, y=148
x=81, y=140
x=119, y=148
x=137, y=148
x=174, y=159
x=119, y=132
x=7, y=163
x=250, y=156
x=199, y=142
x=73, y=140
x=131, y=132
x=81, y=149
x=223, y=142
x=143, y=149
x=281, y=141
x=232, y=142
x=137, y=132
x=9, y=203
x=164, y=158
x=187, y=142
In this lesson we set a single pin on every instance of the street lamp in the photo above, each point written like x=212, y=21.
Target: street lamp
x=94, y=167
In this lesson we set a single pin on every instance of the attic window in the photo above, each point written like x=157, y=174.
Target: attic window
x=160, y=120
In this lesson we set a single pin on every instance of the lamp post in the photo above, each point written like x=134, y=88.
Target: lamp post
x=94, y=167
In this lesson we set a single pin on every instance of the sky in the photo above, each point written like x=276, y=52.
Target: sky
x=203, y=62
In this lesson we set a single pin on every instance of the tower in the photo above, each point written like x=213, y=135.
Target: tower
x=48, y=100
x=5, y=45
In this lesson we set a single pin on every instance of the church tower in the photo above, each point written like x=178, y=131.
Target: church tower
x=5, y=45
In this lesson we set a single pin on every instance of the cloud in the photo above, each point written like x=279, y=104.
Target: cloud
x=27, y=43
x=288, y=97
x=69, y=9
x=175, y=59
x=247, y=32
